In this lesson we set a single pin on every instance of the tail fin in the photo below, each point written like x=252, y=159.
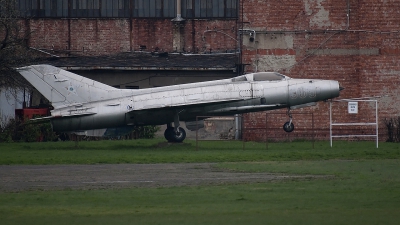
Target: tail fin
x=63, y=88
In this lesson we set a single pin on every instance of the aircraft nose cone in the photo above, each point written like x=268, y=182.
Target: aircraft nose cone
x=341, y=88
x=329, y=89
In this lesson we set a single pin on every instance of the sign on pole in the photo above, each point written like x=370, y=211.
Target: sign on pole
x=353, y=107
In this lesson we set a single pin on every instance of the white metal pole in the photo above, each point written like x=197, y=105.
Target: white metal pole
x=376, y=116
x=178, y=10
x=330, y=121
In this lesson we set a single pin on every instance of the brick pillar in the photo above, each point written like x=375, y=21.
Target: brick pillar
x=178, y=41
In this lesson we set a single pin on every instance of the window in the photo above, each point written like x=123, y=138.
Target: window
x=85, y=8
x=43, y=8
x=154, y=8
x=157, y=8
x=169, y=8
x=127, y=8
x=231, y=8
x=115, y=8
x=210, y=8
x=187, y=8
x=268, y=76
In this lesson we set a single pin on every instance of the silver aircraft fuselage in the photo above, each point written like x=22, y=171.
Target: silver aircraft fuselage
x=83, y=104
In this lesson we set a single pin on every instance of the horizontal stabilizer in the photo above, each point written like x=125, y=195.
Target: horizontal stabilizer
x=63, y=116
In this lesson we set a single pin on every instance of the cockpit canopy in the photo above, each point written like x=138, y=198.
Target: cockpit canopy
x=262, y=76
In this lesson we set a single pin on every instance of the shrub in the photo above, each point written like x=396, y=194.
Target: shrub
x=147, y=132
x=8, y=130
x=393, y=129
x=16, y=130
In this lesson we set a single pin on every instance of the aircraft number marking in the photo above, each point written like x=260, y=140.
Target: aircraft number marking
x=303, y=93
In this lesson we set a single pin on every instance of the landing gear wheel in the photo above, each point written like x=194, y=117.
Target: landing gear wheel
x=168, y=133
x=173, y=136
x=288, y=127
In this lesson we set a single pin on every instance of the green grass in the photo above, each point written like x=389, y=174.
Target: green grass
x=158, y=151
x=360, y=185
x=362, y=192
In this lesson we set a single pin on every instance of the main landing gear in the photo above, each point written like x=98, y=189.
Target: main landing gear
x=175, y=134
x=289, y=126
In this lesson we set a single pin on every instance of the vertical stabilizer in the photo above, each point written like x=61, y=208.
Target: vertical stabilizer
x=63, y=88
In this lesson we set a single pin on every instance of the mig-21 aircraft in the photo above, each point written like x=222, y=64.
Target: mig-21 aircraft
x=83, y=104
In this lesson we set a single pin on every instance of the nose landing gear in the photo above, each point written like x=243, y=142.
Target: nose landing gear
x=288, y=126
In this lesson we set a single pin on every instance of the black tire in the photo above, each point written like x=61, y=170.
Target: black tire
x=171, y=136
x=288, y=127
x=168, y=133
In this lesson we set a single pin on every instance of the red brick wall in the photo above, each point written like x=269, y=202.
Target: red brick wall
x=154, y=34
x=83, y=36
x=375, y=71
x=210, y=35
x=48, y=34
x=100, y=36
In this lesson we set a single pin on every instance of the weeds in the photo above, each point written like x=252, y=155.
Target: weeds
x=18, y=131
x=393, y=129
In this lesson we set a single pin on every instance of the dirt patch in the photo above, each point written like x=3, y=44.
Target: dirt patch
x=61, y=177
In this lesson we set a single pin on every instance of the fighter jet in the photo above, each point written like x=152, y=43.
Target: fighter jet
x=83, y=104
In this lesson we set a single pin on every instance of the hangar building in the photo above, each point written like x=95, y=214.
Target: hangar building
x=148, y=43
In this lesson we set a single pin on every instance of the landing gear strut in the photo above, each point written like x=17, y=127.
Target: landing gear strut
x=289, y=126
x=175, y=134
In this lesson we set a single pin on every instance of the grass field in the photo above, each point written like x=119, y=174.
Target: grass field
x=158, y=151
x=362, y=186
